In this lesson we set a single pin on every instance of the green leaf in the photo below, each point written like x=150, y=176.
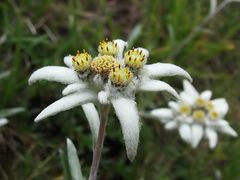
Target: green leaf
x=73, y=161
x=64, y=161
x=136, y=32
x=11, y=111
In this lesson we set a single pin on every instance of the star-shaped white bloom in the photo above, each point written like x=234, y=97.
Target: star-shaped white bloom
x=112, y=77
x=3, y=121
x=196, y=116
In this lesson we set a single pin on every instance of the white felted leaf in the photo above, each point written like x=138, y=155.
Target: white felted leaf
x=171, y=125
x=197, y=134
x=93, y=119
x=212, y=137
x=206, y=95
x=185, y=133
x=68, y=61
x=190, y=90
x=3, y=121
x=65, y=103
x=127, y=114
x=186, y=98
x=164, y=114
x=73, y=88
x=156, y=85
x=73, y=161
x=220, y=105
x=164, y=69
x=228, y=130
x=173, y=105
x=54, y=73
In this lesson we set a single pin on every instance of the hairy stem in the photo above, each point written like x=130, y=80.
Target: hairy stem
x=104, y=110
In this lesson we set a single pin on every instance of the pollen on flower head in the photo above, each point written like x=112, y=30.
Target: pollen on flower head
x=120, y=76
x=199, y=115
x=103, y=65
x=209, y=106
x=135, y=58
x=200, y=102
x=185, y=109
x=82, y=61
x=108, y=48
x=214, y=115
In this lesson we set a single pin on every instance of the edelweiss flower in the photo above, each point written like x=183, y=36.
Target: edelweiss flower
x=195, y=116
x=112, y=77
x=3, y=121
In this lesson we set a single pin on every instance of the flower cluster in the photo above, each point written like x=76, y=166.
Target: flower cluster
x=111, y=77
x=196, y=116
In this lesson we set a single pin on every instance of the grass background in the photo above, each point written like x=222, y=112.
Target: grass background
x=39, y=33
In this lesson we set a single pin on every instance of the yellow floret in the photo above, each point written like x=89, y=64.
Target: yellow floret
x=199, y=115
x=82, y=61
x=104, y=64
x=108, y=48
x=120, y=76
x=185, y=109
x=214, y=115
x=135, y=58
x=200, y=102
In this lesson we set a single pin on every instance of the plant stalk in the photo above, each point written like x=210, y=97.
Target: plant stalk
x=104, y=110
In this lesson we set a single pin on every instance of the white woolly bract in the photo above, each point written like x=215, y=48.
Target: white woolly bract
x=212, y=137
x=54, y=73
x=127, y=114
x=156, y=85
x=93, y=119
x=65, y=103
x=68, y=61
x=164, y=69
x=163, y=114
x=197, y=134
x=73, y=88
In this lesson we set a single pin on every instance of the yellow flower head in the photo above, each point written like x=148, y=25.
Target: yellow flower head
x=120, y=76
x=82, y=61
x=214, y=115
x=200, y=102
x=108, y=48
x=199, y=115
x=185, y=109
x=103, y=65
x=135, y=58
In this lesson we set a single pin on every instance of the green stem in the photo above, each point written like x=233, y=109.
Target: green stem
x=104, y=110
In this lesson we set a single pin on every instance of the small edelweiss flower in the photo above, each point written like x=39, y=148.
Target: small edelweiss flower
x=196, y=116
x=112, y=77
x=3, y=121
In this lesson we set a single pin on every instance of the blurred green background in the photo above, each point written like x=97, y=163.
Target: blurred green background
x=38, y=33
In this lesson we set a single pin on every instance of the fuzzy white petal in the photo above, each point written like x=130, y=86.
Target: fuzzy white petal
x=186, y=98
x=103, y=97
x=3, y=121
x=220, y=105
x=127, y=114
x=228, y=130
x=197, y=134
x=164, y=114
x=73, y=88
x=122, y=45
x=206, y=95
x=156, y=85
x=171, y=125
x=65, y=103
x=93, y=119
x=68, y=61
x=54, y=73
x=164, y=69
x=212, y=136
x=185, y=133
x=173, y=105
x=190, y=90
